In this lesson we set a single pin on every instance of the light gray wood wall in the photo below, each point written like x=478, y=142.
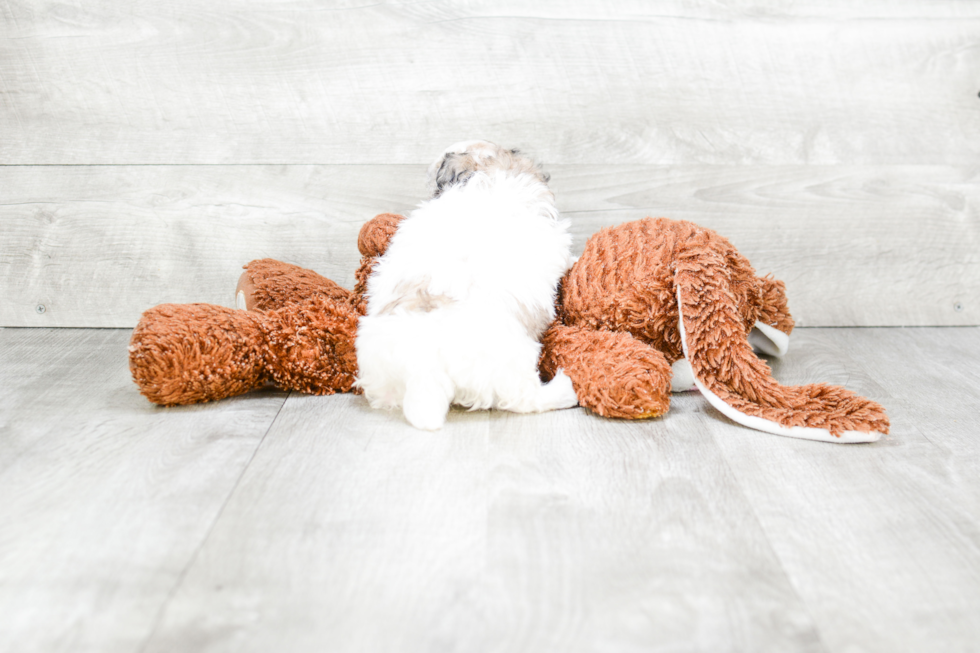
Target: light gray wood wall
x=148, y=150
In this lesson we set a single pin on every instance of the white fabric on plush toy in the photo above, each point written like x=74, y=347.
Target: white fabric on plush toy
x=768, y=340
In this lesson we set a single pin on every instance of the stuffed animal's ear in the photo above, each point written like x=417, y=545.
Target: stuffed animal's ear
x=740, y=385
x=376, y=232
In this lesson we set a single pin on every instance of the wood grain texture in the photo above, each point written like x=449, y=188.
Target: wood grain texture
x=881, y=541
x=557, y=532
x=353, y=532
x=118, y=240
x=105, y=498
x=856, y=245
x=588, y=81
x=130, y=528
x=629, y=536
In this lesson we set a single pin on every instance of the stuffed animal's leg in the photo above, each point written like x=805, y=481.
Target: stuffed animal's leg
x=267, y=284
x=738, y=383
x=614, y=374
x=774, y=310
x=189, y=353
x=309, y=345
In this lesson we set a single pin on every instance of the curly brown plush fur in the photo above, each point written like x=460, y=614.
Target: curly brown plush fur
x=297, y=334
x=629, y=281
x=614, y=374
x=188, y=353
x=620, y=312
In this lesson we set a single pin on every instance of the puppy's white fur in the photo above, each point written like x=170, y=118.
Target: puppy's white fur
x=464, y=291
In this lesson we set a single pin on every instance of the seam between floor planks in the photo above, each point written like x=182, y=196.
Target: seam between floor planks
x=762, y=526
x=856, y=245
x=217, y=517
x=819, y=355
x=110, y=490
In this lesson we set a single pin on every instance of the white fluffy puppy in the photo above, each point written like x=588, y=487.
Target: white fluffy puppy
x=457, y=303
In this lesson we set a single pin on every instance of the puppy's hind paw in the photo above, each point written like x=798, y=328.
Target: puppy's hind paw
x=425, y=408
x=559, y=392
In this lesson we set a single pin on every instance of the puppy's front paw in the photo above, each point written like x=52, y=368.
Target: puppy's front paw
x=561, y=393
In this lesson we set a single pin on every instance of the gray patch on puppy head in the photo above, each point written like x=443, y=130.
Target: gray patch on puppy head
x=456, y=169
x=457, y=166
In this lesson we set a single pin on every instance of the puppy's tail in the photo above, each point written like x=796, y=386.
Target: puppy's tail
x=738, y=383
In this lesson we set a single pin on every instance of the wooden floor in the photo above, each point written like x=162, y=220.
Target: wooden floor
x=297, y=523
x=150, y=149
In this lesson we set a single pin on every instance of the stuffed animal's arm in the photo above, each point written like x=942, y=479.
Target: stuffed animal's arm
x=372, y=243
x=377, y=232
x=267, y=284
x=613, y=374
x=190, y=353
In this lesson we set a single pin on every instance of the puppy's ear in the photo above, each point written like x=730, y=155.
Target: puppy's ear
x=456, y=168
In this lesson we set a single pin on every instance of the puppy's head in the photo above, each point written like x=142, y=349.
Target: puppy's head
x=461, y=161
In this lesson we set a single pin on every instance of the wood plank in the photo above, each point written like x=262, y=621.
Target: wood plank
x=630, y=536
x=881, y=541
x=556, y=532
x=96, y=246
x=935, y=372
x=105, y=498
x=128, y=527
x=352, y=532
x=856, y=245
x=951, y=349
x=577, y=82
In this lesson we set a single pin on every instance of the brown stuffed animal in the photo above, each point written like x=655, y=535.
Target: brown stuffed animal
x=298, y=334
x=647, y=294
x=618, y=333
